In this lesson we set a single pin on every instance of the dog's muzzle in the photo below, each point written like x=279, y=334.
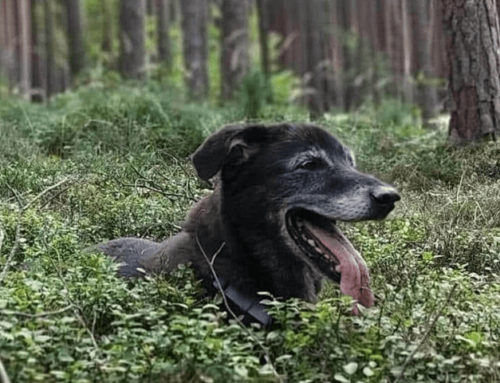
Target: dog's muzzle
x=383, y=199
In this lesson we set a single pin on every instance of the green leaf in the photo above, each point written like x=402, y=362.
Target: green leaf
x=350, y=368
x=341, y=378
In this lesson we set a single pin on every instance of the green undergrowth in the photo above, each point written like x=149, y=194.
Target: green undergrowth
x=101, y=163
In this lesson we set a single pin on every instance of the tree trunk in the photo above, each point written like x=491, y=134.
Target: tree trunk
x=473, y=52
x=3, y=41
x=107, y=27
x=316, y=65
x=262, y=8
x=75, y=37
x=386, y=12
x=406, y=50
x=335, y=54
x=348, y=13
x=49, y=49
x=150, y=7
x=132, y=38
x=24, y=41
x=194, y=31
x=37, y=67
x=9, y=49
x=234, y=55
x=163, y=32
x=424, y=13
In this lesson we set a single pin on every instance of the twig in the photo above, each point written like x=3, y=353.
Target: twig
x=54, y=197
x=424, y=339
x=23, y=209
x=13, y=251
x=41, y=194
x=226, y=303
x=4, y=378
x=154, y=185
x=33, y=316
x=78, y=311
x=143, y=185
x=153, y=189
x=188, y=176
x=2, y=236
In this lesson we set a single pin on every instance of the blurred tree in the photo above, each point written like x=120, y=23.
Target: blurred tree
x=423, y=11
x=473, y=48
x=348, y=11
x=24, y=46
x=315, y=61
x=3, y=39
x=194, y=33
x=262, y=9
x=150, y=7
x=335, y=53
x=37, y=66
x=384, y=17
x=405, y=46
x=107, y=27
x=234, y=53
x=75, y=37
x=8, y=41
x=164, y=53
x=49, y=48
x=132, y=52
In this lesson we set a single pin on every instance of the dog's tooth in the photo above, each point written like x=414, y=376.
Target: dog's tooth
x=311, y=242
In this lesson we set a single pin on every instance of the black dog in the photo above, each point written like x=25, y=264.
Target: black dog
x=270, y=223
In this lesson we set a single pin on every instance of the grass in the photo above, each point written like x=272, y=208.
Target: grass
x=111, y=161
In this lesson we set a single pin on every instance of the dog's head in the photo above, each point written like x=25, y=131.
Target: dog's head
x=307, y=180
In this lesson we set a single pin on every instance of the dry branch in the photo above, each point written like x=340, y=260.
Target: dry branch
x=424, y=339
x=23, y=209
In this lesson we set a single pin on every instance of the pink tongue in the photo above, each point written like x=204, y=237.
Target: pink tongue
x=355, y=279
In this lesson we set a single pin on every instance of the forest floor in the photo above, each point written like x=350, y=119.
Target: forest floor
x=103, y=163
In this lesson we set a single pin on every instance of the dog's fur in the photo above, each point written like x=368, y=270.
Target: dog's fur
x=266, y=177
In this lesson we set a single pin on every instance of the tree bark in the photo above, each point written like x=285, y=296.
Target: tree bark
x=37, y=67
x=132, y=38
x=24, y=41
x=335, y=54
x=107, y=27
x=473, y=51
x=3, y=40
x=234, y=54
x=194, y=31
x=164, y=53
x=424, y=16
x=262, y=9
x=406, y=50
x=9, y=49
x=150, y=7
x=49, y=49
x=348, y=12
x=75, y=37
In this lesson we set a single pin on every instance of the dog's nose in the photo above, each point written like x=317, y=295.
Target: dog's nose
x=385, y=195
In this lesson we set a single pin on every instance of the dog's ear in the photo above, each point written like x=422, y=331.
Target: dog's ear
x=236, y=140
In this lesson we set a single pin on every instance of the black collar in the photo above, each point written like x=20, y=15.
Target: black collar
x=248, y=306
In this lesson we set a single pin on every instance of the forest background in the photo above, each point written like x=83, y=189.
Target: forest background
x=101, y=102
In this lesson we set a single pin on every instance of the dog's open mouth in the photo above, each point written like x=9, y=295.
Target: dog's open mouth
x=332, y=253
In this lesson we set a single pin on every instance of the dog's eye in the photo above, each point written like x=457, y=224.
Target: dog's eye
x=311, y=164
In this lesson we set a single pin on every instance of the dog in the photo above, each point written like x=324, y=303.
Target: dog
x=270, y=223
